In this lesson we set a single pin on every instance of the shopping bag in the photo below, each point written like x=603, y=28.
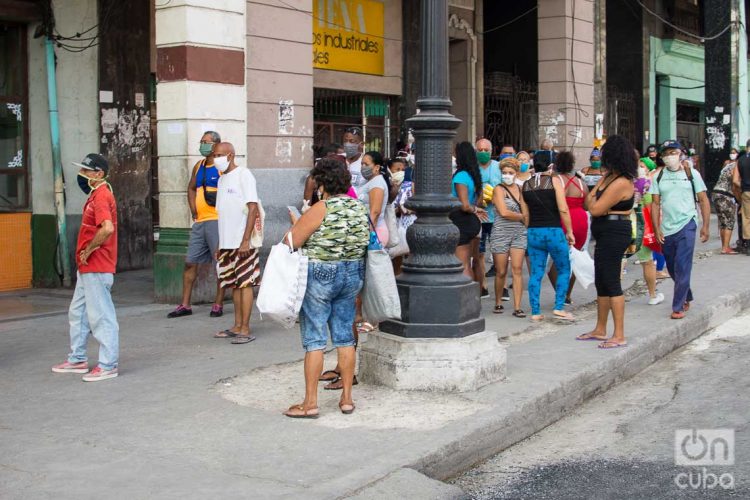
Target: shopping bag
x=649, y=236
x=391, y=222
x=402, y=248
x=282, y=289
x=380, y=299
x=582, y=266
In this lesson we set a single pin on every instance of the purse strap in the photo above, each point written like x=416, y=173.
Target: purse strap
x=289, y=240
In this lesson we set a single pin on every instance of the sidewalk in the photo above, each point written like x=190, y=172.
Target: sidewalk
x=193, y=417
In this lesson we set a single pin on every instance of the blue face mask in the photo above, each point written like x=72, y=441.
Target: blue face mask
x=524, y=167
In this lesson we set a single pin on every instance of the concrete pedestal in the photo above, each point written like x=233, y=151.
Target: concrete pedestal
x=432, y=364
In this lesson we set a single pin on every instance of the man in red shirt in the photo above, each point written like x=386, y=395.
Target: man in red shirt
x=91, y=310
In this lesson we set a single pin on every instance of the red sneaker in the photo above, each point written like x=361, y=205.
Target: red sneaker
x=98, y=374
x=68, y=367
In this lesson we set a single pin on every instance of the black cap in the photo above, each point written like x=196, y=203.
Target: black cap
x=94, y=162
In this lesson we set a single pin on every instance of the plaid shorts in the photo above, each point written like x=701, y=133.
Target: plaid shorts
x=238, y=272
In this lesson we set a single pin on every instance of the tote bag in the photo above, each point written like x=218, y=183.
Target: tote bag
x=284, y=283
x=391, y=222
x=582, y=266
x=380, y=299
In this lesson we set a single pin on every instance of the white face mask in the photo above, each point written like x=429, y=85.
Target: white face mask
x=221, y=163
x=509, y=179
x=672, y=162
x=642, y=172
x=732, y=156
x=398, y=177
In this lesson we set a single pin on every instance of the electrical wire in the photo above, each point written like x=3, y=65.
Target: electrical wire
x=685, y=32
x=509, y=22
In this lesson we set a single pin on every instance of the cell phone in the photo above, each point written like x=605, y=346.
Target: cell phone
x=294, y=212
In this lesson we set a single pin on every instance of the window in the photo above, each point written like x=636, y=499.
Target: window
x=13, y=112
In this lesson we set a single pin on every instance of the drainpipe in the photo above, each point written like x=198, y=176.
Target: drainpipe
x=54, y=130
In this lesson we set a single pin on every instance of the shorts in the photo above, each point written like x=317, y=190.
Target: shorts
x=468, y=226
x=507, y=236
x=238, y=272
x=329, y=303
x=725, y=210
x=203, y=242
x=486, y=235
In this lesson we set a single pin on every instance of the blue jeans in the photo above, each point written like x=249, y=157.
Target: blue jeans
x=678, y=251
x=92, y=312
x=544, y=241
x=329, y=304
x=486, y=234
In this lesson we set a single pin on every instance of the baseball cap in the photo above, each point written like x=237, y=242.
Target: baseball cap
x=595, y=153
x=651, y=149
x=670, y=144
x=95, y=162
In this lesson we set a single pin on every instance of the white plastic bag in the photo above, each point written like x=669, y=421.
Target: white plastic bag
x=380, y=299
x=582, y=266
x=391, y=222
x=284, y=284
x=402, y=248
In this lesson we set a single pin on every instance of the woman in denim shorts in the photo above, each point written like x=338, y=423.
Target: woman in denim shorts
x=334, y=235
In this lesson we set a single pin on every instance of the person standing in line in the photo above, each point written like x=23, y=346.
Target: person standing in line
x=675, y=190
x=741, y=182
x=644, y=255
x=375, y=192
x=723, y=196
x=204, y=234
x=610, y=204
x=509, y=235
x=91, y=309
x=353, y=148
x=489, y=170
x=238, y=263
x=525, y=168
x=544, y=195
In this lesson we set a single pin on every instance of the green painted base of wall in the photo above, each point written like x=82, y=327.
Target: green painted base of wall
x=44, y=250
x=169, y=265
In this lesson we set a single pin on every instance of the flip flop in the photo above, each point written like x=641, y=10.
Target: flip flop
x=345, y=409
x=329, y=386
x=729, y=252
x=243, y=339
x=364, y=327
x=518, y=313
x=610, y=344
x=225, y=334
x=498, y=309
x=334, y=379
x=564, y=316
x=537, y=318
x=304, y=414
x=587, y=336
x=677, y=315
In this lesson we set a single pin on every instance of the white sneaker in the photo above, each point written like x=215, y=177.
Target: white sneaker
x=653, y=301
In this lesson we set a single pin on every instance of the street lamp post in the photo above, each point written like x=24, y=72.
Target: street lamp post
x=437, y=299
x=440, y=343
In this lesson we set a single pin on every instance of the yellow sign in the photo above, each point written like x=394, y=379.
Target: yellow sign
x=348, y=36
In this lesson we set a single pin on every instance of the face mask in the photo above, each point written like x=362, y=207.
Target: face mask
x=732, y=156
x=221, y=163
x=351, y=149
x=84, y=184
x=672, y=162
x=205, y=149
x=508, y=179
x=691, y=152
x=524, y=167
x=398, y=177
x=367, y=172
x=596, y=165
x=483, y=157
x=642, y=172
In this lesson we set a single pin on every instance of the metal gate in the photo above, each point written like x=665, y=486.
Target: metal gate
x=510, y=111
x=620, y=117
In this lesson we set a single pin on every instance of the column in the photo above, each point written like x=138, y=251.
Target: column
x=200, y=48
x=566, y=75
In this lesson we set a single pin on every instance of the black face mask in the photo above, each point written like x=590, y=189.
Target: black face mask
x=83, y=183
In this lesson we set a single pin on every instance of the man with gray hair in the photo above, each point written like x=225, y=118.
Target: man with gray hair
x=204, y=234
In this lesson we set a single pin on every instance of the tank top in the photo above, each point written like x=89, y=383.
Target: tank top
x=539, y=195
x=343, y=234
x=620, y=206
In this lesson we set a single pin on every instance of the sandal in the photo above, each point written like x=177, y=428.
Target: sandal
x=225, y=334
x=677, y=315
x=588, y=336
x=498, y=309
x=364, y=327
x=338, y=384
x=611, y=344
x=309, y=413
x=243, y=339
x=346, y=409
x=518, y=313
x=537, y=318
x=729, y=251
x=323, y=378
x=564, y=316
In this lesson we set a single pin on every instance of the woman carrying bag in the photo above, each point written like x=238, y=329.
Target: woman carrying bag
x=334, y=235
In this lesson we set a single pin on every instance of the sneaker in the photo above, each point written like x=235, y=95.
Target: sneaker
x=506, y=295
x=491, y=273
x=653, y=301
x=485, y=293
x=180, y=311
x=216, y=311
x=68, y=367
x=98, y=374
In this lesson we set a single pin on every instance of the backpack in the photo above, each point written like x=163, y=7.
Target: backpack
x=689, y=173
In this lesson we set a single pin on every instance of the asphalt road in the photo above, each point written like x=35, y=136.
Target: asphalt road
x=622, y=444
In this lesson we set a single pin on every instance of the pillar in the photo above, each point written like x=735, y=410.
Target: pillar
x=566, y=75
x=200, y=49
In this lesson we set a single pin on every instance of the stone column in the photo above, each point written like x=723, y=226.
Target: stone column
x=566, y=75
x=201, y=86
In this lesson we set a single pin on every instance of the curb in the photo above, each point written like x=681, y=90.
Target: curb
x=466, y=450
